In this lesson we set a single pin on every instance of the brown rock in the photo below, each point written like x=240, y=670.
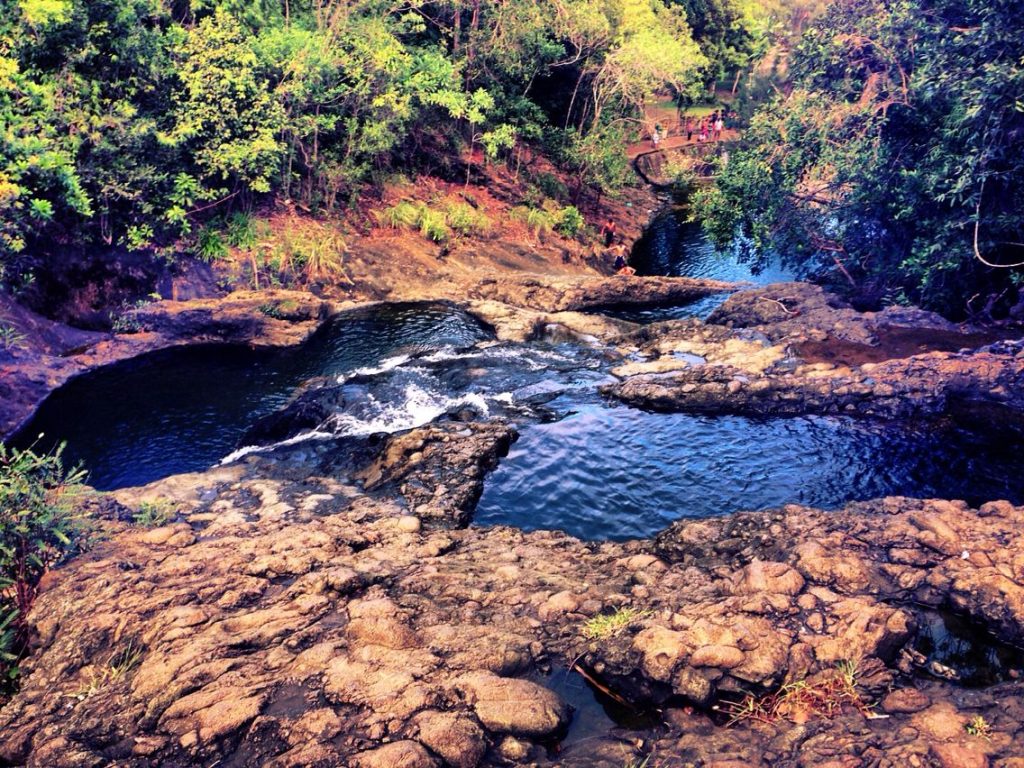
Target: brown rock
x=940, y=721
x=661, y=649
x=400, y=754
x=777, y=578
x=905, y=701
x=959, y=756
x=721, y=656
x=508, y=705
x=455, y=737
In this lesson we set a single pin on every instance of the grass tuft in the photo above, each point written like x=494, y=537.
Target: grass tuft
x=606, y=625
x=799, y=701
x=980, y=727
x=117, y=666
x=153, y=514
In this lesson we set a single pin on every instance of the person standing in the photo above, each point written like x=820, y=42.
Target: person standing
x=689, y=129
x=655, y=137
x=608, y=232
x=719, y=126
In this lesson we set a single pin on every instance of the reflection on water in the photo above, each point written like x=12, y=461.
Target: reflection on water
x=676, y=247
x=617, y=473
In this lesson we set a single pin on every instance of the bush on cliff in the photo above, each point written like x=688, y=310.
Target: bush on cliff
x=40, y=525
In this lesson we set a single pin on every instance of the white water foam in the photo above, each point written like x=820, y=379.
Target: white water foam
x=302, y=437
x=387, y=364
x=417, y=407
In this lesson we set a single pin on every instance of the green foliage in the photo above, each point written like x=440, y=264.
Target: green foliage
x=39, y=527
x=142, y=122
x=979, y=727
x=537, y=220
x=323, y=260
x=550, y=217
x=153, y=514
x=401, y=215
x=569, y=222
x=433, y=226
x=118, y=665
x=887, y=159
x=606, y=625
x=211, y=244
x=464, y=219
x=436, y=224
x=125, y=319
x=11, y=338
x=242, y=231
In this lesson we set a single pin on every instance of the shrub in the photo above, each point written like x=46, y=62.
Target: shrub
x=323, y=258
x=433, y=225
x=569, y=222
x=551, y=186
x=40, y=526
x=537, y=220
x=464, y=219
x=605, y=625
x=10, y=337
x=242, y=231
x=210, y=244
x=153, y=514
x=401, y=214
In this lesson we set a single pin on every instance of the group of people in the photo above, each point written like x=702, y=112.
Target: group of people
x=709, y=128
x=620, y=265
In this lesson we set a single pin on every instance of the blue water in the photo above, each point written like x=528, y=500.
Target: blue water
x=677, y=247
x=612, y=472
x=583, y=464
x=183, y=410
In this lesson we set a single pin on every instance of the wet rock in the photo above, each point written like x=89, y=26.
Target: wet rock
x=759, y=357
x=289, y=639
x=400, y=754
x=455, y=737
x=905, y=700
x=580, y=293
x=508, y=705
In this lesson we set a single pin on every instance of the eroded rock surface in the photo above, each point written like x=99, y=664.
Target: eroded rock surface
x=303, y=611
x=551, y=293
x=767, y=352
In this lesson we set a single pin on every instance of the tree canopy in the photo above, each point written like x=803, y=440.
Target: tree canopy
x=897, y=160
x=125, y=122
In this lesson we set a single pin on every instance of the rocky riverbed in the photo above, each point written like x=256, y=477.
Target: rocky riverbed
x=322, y=607
x=326, y=604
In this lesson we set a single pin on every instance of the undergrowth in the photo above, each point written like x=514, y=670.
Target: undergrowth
x=436, y=223
x=826, y=695
x=40, y=526
x=117, y=666
x=153, y=514
x=606, y=625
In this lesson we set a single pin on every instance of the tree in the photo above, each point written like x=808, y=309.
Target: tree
x=901, y=144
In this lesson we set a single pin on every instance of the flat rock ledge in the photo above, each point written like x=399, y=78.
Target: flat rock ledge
x=792, y=349
x=301, y=611
x=558, y=293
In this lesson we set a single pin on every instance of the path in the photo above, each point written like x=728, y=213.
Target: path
x=633, y=151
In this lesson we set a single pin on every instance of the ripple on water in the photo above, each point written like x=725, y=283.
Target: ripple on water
x=617, y=473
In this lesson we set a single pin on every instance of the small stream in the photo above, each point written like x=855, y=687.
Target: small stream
x=673, y=245
x=594, y=468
